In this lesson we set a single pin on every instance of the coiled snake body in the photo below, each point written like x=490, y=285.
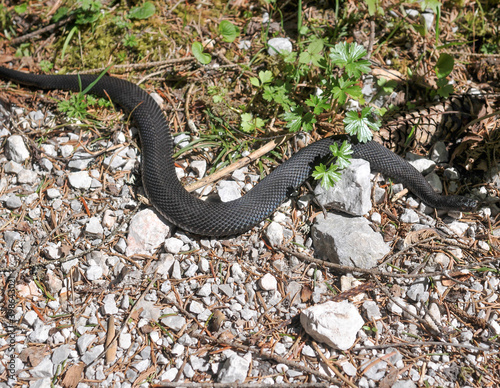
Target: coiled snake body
x=174, y=203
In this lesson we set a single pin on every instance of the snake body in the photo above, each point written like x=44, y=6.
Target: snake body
x=189, y=213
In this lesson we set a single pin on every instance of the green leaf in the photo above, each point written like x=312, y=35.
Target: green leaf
x=297, y=120
x=343, y=154
x=145, y=11
x=265, y=76
x=328, y=175
x=432, y=4
x=348, y=56
x=444, y=65
x=359, y=124
x=249, y=123
x=318, y=104
x=21, y=8
x=197, y=49
x=255, y=82
x=228, y=31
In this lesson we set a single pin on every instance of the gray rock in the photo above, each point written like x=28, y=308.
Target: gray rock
x=435, y=182
x=92, y=354
x=352, y=193
x=43, y=369
x=10, y=237
x=15, y=149
x=13, y=202
x=80, y=159
x=439, y=152
x=347, y=241
x=424, y=166
x=60, y=354
x=84, y=341
x=416, y=290
x=372, y=310
x=234, y=370
x=279, y=46
x=333, y=323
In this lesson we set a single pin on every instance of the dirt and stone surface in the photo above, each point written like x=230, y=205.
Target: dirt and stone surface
x=100, y=291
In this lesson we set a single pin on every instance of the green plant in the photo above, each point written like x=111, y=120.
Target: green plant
x=76, y=106
x=144, y=11
x=443, y=68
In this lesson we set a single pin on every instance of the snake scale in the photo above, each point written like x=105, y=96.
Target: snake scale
x=191, y=214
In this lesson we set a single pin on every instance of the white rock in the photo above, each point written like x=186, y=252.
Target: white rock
x=146, y=233
x=40, y=333
x=94, y=272
x=15, y=149
x=53, y=193
x=333, y=323
x=84, y=341
x=174, y=322
x=279, y=46
x=94, y=227
x=92, y=354
x=200, y=167
x=228, y=190
x=268, y=282
x=274, y=234
x=80, y=180
x=173, y=245
x=109, y=304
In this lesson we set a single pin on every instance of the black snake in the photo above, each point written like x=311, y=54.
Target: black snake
x=178, y=206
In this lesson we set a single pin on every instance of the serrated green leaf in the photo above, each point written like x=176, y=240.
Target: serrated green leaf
x=328, y=175
x=265, y=77
x=144, y=11
x=197, y=49
x=359, y=124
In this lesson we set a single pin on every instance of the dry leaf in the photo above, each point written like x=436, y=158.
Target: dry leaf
x=419, y=235
x=306, y=293
x=73, y=375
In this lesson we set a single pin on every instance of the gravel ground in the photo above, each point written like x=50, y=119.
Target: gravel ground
x=101, y=292
x=83, y=262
